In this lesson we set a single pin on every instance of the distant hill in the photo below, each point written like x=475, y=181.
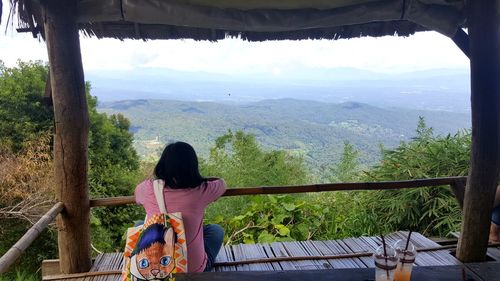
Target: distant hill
x=438, y=89
x=313, y=129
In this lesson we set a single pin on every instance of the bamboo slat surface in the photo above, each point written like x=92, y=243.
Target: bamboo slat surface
x=360, y=249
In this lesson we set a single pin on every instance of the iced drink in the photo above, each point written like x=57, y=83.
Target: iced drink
x=403, y=273
x=385, y=263
x=406, y=257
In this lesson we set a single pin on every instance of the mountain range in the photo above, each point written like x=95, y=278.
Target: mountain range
x=312, y=129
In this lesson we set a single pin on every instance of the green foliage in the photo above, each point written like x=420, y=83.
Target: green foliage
x=344, y=215
x=432, y=211
x=274, y=218
x=238, y=159
x=314, y=130
x=20, y=275
x=347, y=169
x=114, y=169
x=22, y=113
x=44, y=247
x=113, y=162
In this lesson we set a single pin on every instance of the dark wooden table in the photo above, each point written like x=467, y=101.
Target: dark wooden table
x=488, y=271
x=431, y=273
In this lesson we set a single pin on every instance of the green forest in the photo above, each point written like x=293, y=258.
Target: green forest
x=26, y=183
x=314, y=130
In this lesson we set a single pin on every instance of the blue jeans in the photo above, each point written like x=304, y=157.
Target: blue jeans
x=495, y=216
x=213, y=236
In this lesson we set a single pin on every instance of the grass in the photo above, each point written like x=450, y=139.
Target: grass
x=20, y=276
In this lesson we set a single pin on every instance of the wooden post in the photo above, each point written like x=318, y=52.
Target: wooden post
x=484, y=36
x=71, y=137
x=458, y=188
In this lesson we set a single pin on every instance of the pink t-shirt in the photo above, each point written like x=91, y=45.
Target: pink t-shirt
x=191, y=202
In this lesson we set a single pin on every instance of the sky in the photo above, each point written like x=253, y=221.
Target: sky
x=389, y=54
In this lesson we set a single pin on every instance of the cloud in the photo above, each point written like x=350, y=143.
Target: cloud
x=387, y=54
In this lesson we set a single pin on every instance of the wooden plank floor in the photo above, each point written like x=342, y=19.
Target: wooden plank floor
x=113, y=261
x=492, y=252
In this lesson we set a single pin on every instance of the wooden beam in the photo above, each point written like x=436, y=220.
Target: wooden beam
x=22, y=244
x=484, y=35
x=50, y=267
x=461, y=39
x=458, y=189
x=71, y=136
x=47, y=96
x=137, y=29
x=123, y=200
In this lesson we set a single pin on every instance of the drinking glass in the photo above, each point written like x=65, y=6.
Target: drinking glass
x=385, y=263
x=406, y=257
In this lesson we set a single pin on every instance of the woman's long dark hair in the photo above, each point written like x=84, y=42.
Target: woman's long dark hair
x=178, y=166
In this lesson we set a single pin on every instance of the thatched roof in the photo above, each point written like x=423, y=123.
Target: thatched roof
x=254, y=20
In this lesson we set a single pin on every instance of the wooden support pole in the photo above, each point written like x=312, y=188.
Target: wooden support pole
x=71, y=137
x=484, y=36
x=458, y=188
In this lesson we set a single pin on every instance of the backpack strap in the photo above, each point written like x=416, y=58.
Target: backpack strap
x=160, y=199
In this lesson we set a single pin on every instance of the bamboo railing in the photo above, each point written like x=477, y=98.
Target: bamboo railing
x=22, y=244
x=457, y=184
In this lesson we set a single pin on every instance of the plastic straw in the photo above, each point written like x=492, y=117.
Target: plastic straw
x=408, y=241
x=385, y=256
x=406, y=249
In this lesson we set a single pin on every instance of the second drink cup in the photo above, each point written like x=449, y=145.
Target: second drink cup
x=406, y=254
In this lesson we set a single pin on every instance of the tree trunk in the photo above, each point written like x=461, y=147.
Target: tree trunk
x=71, y=136
x=484, y=36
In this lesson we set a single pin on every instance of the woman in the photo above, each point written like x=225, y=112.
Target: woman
x=186, y=191
x=495, y=219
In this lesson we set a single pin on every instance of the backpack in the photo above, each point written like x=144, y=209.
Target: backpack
x=157, y=249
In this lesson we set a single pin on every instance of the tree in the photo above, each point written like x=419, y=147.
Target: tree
x=113, y=162
x=347, y=169
x=23, y=114
x=114, y=171
x=433, y=210
x=238, y=158
x=26, y=193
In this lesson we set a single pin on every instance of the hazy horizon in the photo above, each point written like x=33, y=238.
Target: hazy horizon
x=443, y=89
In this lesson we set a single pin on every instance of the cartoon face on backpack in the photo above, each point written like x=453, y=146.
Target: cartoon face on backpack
x=153, y=256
